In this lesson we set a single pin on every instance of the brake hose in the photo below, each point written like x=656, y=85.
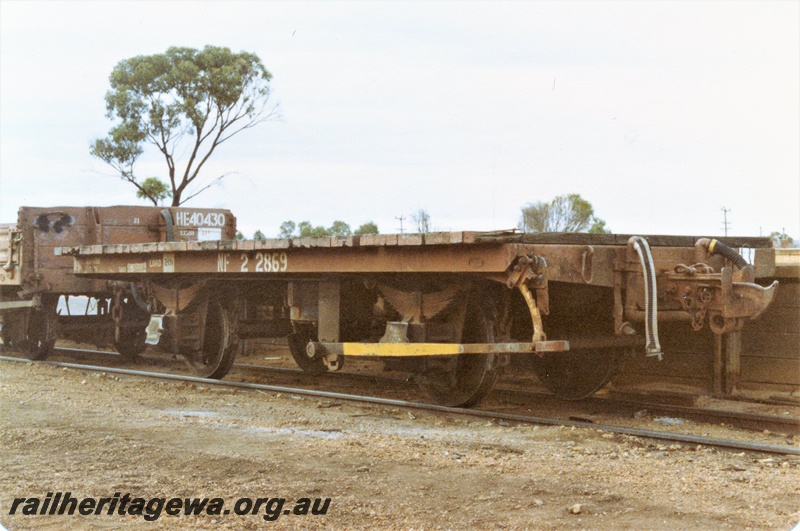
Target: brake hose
x=650, y=303
x=717, y=247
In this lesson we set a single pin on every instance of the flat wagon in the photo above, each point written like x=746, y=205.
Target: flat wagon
x=39, y=292
x=453, y=308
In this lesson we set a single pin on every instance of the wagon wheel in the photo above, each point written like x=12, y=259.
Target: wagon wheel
x=40, y=337
x=465, y=379
x=12, y=323
x=132, y=335
x=219, y=343
x=577, y=374
x=131, y=343
x=297, y=346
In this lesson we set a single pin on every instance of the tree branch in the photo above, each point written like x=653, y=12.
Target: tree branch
x=209, y=185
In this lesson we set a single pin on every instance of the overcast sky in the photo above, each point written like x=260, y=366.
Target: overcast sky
x=658, y=113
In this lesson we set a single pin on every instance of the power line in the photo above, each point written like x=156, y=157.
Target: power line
x=401, y=218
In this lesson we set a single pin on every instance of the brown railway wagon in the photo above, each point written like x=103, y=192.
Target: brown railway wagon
x=453, y=308
x=770, y=348
x=762, y=364
x=34, y=279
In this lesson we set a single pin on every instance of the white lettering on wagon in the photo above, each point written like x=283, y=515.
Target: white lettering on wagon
x=222, y=262
x=139, y=267
x=169, y=262
x=187, y=218
x=205, y=234
x=265, y=262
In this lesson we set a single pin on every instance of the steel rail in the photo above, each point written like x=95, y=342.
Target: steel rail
x=636, y=432
x=745, y=420
x=748, y=420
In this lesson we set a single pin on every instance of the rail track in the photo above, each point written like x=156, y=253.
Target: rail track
x=542, y=401
x=573, y=420
x=592, y=405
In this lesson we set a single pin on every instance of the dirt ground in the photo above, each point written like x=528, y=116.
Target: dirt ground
x=98, y=434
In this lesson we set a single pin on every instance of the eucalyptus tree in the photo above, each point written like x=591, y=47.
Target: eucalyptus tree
x=185, y=103
x=565, y=213
x=304, y=229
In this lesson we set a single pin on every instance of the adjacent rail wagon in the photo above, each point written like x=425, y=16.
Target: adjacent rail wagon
x=41, y=299
x=452, y=308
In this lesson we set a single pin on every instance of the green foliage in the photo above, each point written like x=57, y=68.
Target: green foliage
x=565, y=213
x=153, y=189
x=287, y=229
x=239, y=235
x=308, y=231
x=182, y=101
x=367, y=228
x=304, y=229
x=598, y=227
x=339, y=229
x=779, y=237
x=258, y=235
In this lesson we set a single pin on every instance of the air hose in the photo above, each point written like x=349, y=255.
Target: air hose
x=717, y=247
x=651, y=305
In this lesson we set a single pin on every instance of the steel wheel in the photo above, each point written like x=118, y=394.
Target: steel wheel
x=10, y=332
x=466, y=379
x=131, y=343
x=40, y=337
x=132, y=334
x=577, y=374
x=297, y=346
x=219, y=344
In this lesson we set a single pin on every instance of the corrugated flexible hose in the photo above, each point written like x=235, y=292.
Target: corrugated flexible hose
x=717, y=247
x=653, y=348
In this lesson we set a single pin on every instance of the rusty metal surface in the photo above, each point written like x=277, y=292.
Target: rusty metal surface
x=438, y=252
x=44, y=230
x=336, y=295
x=523, y=263
x=233, y=258
x=526, y=267
x=654, y=240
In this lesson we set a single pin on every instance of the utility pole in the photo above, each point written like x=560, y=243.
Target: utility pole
x=401, y=218
x=725, y=223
